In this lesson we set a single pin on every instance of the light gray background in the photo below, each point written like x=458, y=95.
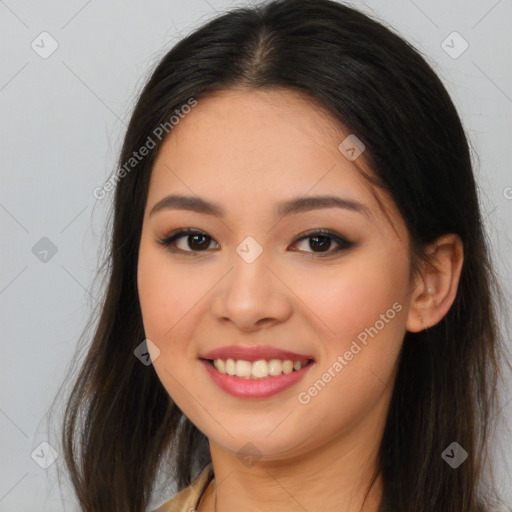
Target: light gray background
x=63, y=119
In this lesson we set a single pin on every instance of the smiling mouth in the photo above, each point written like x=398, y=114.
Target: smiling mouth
x=257, y=370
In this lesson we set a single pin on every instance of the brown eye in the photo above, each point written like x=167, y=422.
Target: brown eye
x=197, y=242
x=321, y=241
x=187, y=241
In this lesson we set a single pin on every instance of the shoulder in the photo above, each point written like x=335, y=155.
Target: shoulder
x=188, y=498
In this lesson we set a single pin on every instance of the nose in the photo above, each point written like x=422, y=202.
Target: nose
x=252, y=297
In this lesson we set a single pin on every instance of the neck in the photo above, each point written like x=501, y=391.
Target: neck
x=334, y=476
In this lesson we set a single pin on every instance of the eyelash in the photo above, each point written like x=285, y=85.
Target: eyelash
x=343, y=243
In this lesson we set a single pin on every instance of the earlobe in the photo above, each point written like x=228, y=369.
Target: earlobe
x=436, y=288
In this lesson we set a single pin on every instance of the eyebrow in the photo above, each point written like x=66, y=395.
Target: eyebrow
x=289, y=207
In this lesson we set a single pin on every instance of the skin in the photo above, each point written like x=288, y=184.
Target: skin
x=248, y=150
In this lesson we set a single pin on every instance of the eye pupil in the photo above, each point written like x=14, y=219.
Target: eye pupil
x=321, y=242
x=200, y=245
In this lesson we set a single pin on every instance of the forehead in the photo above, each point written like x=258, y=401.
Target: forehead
x=249, y=124
x=239, y=146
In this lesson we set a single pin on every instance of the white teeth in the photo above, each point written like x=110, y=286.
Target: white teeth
x=260, y=369
x=287, y=366
x=243, y=369
x=230, y=367
x=220, y=365
x=275, y=367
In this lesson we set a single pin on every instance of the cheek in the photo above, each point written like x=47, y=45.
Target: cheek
x=362, y=326
x=351, y=297
x=163, y=293
x=361, y=307
x=165, y=299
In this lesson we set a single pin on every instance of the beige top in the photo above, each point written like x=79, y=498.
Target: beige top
x=187, y=500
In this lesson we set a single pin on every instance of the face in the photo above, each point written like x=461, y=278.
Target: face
x=327, y=281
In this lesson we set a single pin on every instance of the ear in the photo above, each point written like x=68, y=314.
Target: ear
x=434, y=290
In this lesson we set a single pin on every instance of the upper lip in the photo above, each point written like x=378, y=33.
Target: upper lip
x=254, y=353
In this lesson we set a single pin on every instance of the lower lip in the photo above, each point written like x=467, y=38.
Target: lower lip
x=255, y=388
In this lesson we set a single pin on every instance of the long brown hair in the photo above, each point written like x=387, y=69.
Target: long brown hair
x=120, y=423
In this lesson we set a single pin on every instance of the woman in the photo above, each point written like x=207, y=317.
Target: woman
x=301, y=306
